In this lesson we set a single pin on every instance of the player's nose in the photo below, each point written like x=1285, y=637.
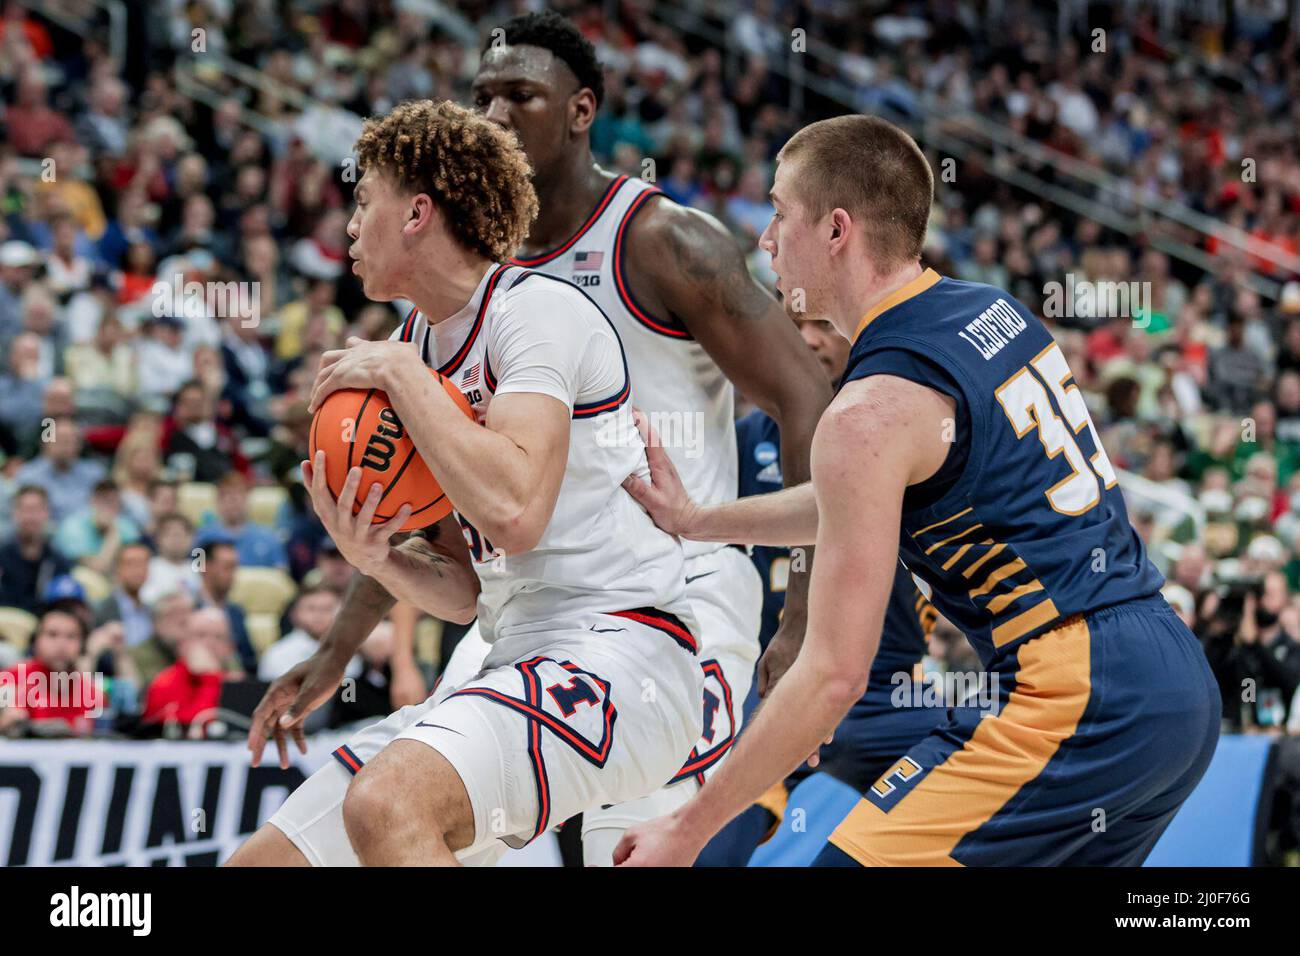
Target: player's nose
x=498, y=111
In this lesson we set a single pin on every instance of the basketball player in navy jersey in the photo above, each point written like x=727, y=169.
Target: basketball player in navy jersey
x=1108, y=713
x=894, y=713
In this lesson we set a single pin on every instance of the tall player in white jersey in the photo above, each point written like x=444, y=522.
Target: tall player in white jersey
x=578, y=594
x=692, y=321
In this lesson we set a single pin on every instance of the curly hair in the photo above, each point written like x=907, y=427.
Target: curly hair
x=561, y=36
x=473, y=169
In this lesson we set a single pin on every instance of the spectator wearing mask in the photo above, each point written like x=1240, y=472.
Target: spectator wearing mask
x=29, y=561
x=1269, y=655
x=220, y=563
x=61, y=471
x=173, y=567
x=312, y=613
x=52, y=688
x=171, y=614
x=125, y=604
x=258, y=545
x=187, y=692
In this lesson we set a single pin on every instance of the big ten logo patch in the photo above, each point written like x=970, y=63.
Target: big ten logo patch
x=382, y=443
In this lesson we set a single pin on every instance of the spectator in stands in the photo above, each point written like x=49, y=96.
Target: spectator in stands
x=136, y=466
x=60, y=470
x=31, y=124
x=107, y=363
x=258, y=545
x=124, y=603
x=173, y=565
x=171, y=614
x=1269, y=650
x=29, y=560
x=23, y=389
x=187, y=692
x=1236, y=373
x=220, y=562
x=53, y=687
x=18, y=265
x=93, y=535
x=162, y=360
x=313, y=611
x=195, y=444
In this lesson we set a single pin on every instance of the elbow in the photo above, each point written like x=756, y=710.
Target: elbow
x=515, y=531
x=463, y=615
x=842, y=687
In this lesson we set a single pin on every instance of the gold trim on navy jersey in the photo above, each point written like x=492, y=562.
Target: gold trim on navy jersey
x=900, y=295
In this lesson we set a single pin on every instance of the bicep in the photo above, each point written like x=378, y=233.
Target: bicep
x=872, y=443
x=700, y=277
x=538, y=425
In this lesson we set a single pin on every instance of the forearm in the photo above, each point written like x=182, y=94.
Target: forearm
x=416, y=573
x=797, y=417
x=800, y=714
x=365, y=603
x=782, y=519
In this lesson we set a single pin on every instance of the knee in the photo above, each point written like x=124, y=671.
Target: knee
x=372, y=809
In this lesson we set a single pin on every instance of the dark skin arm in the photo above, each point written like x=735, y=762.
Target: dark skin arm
x=435, y=551
x=685, y=265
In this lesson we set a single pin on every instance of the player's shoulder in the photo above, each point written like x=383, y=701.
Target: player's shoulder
x=666, y=224
x=528, y=293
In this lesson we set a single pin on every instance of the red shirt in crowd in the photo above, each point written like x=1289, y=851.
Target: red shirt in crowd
x=31, y=686
x=176, y=694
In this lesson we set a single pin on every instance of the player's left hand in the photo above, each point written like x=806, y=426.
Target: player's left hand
x=362, y=364
x=662, y=841
x=363, y=544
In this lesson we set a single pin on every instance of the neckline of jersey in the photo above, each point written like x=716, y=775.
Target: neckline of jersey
x=900, y=295
x=454, y=329
x=596, y=212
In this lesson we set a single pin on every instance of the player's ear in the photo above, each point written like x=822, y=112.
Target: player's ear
x=582, y=110
x=419, y=213
x=841, y=227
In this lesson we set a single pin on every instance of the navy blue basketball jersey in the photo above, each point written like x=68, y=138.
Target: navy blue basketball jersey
x=909, y=616
x=1024, y=526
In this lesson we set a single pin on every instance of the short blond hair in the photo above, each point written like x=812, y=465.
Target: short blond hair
x=872, y=170
x=473, y=169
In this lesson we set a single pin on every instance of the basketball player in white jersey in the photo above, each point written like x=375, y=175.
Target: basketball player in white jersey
x=692, y=321
x=579, y=596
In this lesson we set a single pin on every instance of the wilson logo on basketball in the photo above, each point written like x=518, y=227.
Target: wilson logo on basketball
x=382, y=445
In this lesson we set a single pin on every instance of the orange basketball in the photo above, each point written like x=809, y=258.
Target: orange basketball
x=358, y=427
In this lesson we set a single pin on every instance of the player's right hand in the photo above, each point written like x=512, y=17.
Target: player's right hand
x=288, y=701
x=664, y=498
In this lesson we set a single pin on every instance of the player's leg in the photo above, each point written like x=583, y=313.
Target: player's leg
x=1099, y=721
x=408, y=807
x=726, y=597
x=310, y=821
x=268, y=846
x=535, y=738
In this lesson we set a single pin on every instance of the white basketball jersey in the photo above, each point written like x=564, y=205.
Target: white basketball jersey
x=600, y=551
x=688, y=400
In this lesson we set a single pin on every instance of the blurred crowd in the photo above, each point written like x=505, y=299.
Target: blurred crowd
x=152, y=519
